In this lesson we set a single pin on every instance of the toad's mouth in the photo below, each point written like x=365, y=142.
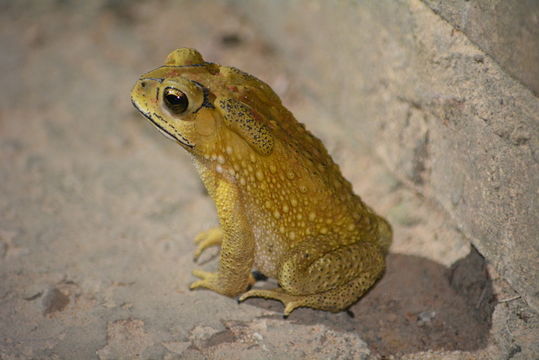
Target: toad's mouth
x=174, y=137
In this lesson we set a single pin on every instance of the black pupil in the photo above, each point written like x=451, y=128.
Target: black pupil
x=176, y=101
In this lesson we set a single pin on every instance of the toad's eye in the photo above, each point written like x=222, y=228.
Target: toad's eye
x=175, y=100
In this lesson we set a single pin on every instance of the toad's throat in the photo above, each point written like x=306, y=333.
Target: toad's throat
x=174, y=137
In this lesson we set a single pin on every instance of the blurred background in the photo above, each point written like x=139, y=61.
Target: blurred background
x=429, y=107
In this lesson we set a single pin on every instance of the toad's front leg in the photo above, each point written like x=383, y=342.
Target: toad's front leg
x=233, y=276
x=207, y=239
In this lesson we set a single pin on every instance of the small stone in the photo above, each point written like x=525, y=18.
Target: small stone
x=425, y=317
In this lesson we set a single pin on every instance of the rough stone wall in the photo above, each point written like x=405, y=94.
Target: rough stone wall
x=434, y=99
x=507, y=30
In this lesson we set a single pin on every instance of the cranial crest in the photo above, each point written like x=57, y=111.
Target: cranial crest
x=184, y=56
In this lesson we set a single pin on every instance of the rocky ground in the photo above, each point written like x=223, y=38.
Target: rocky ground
x=98, y=212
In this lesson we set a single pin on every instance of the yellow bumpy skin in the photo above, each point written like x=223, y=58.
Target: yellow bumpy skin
x=284, y=207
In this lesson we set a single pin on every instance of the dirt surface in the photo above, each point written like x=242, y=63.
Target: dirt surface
x=98, y=212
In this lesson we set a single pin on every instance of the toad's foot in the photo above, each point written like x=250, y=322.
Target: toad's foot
x=290, y=302
x=334, y=300
x=207, y=239
x=215, y=281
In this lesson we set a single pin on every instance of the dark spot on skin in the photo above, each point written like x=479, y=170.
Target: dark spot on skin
x=143, y=84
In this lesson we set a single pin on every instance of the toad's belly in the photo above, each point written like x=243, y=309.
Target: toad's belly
x=272, y=244
x=269, y=250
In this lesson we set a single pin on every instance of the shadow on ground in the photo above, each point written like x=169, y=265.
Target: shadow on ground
x=418, y=305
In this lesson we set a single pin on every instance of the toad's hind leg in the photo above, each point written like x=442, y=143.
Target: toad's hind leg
x=331, y=281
